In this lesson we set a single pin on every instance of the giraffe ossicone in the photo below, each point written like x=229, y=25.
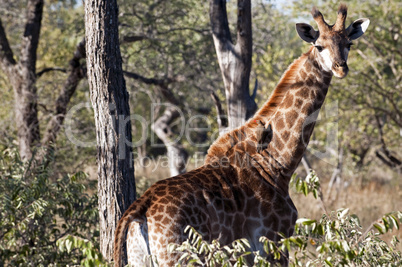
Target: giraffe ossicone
x=238, y=192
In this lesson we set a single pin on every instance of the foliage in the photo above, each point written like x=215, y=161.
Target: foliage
x=45, y=220
x=90, y=253
x=311, y=184
x=198, y=251
x=336, y=239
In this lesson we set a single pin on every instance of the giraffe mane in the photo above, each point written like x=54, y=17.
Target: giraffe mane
x=286, y=81
x=228, y=140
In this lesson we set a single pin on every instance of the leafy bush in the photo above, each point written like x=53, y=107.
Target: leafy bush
x=40, y=214
x=336, y=239
x=196, y=251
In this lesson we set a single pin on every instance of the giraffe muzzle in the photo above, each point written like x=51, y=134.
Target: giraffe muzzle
x=340, y=69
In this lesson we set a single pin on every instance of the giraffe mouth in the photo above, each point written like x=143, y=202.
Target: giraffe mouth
x=340, y=72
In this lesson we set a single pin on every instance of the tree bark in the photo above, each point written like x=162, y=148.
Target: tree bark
x=22, y=77
x=177, y=155
x=109, y=97
x=221, y=117
x=234, y=60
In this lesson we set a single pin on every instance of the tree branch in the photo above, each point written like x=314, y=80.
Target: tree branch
x=200, y=31
x=220, y=24
x=306, y=164
x=133, y=39
x=45, y=70
x=6, y=54
x=244, y=31
x=377, y=72
x=162, y=83
x=253, y=96
x=222, y=118
x=153, y=81
x=30, y=38
x=390, y=114
x=177, y=155
x=391, y=161
x=76, y=74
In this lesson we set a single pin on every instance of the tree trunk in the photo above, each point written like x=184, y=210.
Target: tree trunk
x=109, y=97
x=22, y=77
x=234, y=60
x=177, y=155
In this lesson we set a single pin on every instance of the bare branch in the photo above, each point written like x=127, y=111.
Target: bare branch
x=390, y=160
x=390, y=114
x=76, y=74
x=255, y=90
x=6, y=54
x=244, y=31
x=133, y=39
x=45, y=70
x=220, y=25
x=177, y=155
x=154, y=81
x=222, y=118
x=30, y=38
x=377, y=72
x=200, y=31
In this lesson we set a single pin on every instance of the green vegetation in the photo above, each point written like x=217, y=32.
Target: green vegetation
x=46, y=219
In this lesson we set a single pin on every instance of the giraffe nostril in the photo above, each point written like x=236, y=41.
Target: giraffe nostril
x=341, y=64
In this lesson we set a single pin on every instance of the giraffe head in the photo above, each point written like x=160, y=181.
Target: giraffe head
x=332, y=42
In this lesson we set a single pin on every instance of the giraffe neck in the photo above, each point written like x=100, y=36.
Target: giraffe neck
x=294, y=103
x=302, y=91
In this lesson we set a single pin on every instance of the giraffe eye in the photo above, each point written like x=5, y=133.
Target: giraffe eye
x=319, y=48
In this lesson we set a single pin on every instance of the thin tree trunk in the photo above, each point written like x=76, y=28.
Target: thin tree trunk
x=22, y=77
x=234, y=60
x=221, y=116
x=76, y=73
x=177, y=155
x=336, y=179
x=109, y=97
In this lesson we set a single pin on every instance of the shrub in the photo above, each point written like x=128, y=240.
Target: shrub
x=40, y=214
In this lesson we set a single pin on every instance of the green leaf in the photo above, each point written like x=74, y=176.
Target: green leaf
x=305, y=221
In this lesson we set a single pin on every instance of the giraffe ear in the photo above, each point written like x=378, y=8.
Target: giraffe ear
x=307, y=33
x=357, y=28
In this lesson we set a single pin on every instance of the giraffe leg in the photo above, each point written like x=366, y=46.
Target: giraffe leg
x=138, y=252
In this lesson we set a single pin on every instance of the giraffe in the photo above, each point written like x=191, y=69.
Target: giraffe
x=238, y=192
